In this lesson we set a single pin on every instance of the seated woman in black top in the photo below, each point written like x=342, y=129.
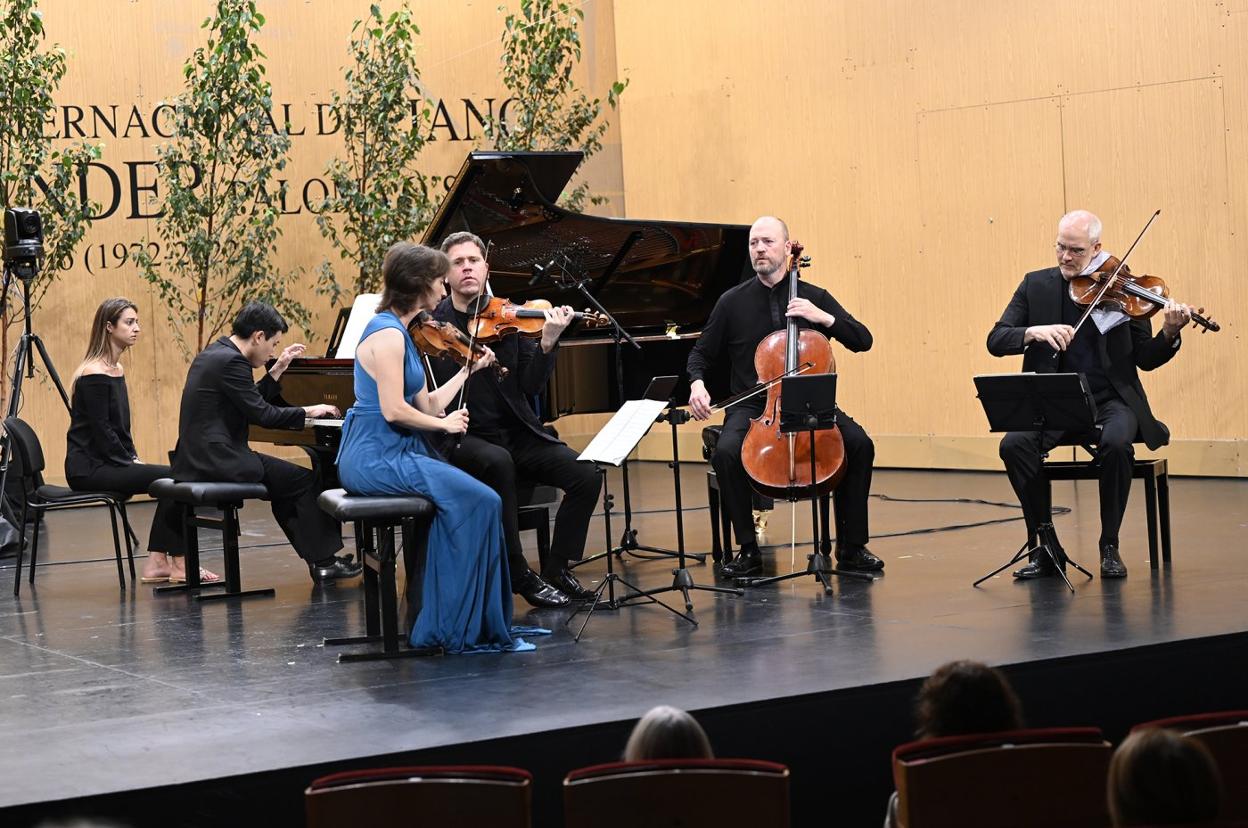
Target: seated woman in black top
x=100, y=453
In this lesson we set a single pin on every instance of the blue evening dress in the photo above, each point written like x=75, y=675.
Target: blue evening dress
x=466, y=599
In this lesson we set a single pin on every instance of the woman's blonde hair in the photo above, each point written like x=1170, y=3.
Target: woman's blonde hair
x=108, y=313
x=667, y=733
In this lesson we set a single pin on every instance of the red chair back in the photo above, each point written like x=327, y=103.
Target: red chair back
x=690, y=793
x=1225, y=734
x=460, y=795
x=1021, y=778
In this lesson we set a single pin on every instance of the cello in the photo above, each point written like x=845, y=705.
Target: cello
x=778, y=464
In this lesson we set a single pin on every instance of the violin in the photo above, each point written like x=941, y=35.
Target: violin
x=1139, y=297
x=778, y=464
x=442, y=339
x=500, y=317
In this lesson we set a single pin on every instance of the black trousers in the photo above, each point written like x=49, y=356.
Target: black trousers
x=1022, y=452
x=852, y=529
x=166, y=532
x=292, y=496
x=494, y=461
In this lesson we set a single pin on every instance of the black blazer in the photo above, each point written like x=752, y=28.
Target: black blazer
x=1038, y=301
x=220, y=400
x=528, y=370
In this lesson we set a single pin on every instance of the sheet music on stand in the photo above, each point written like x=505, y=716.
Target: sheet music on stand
x=363, y=309
x=623, y=432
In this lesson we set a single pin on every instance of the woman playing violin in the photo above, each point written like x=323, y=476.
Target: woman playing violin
x=1039, y=323
x=505, y=434
x=463, y=603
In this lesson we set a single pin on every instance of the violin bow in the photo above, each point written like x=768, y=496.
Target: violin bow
x=1110, y=281
x=472, y=339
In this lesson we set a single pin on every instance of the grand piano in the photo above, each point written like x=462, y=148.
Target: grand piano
x=660, y=279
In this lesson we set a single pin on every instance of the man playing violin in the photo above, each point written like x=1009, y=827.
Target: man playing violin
x=1040, y=323
x=741, y=319
x=505, y=434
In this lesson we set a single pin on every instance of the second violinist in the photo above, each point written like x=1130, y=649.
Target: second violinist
x=505, y=434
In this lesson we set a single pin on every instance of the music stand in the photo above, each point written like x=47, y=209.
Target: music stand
x=682, y=579
x=808, y=403
x=1038, y=402
x=611, y=446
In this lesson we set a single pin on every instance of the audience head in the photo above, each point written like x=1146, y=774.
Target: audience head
x=257, y=331
x=412, y=277
x=1161, y=777
x=667, y=733
x=964, y=697
x=114, y=329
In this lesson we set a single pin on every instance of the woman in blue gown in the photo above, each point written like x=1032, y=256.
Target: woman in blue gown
x=466, y=599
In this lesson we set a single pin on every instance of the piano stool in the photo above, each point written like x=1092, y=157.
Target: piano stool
x=534, y=513
x=228, y=498
x=375, y=519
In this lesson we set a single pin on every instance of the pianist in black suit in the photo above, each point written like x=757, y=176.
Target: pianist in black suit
x=743, y=317
x=221, y=399
x=505, y=434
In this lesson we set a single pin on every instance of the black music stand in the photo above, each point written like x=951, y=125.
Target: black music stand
x=1038, y=402
x=808, y=403
x=600, y=461
x=682, y=580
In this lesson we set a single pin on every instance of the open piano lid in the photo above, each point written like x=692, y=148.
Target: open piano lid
x=652, y=275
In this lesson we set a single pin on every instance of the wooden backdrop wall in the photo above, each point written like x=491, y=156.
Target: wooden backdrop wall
x=922, y=151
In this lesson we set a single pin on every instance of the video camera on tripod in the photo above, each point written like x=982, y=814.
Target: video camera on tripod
x=23, y=242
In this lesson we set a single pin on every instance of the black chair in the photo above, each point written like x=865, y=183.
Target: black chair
x=1153, y=472
x=375, y=519
x=39, y=497
x=721, y=548
x=534, y=513
x=227, y=498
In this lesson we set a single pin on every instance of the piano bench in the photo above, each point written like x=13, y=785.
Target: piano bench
x=375, y=519
x=227, y=498
x=533, y=513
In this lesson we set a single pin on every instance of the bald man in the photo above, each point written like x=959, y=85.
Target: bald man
x=1040, y=323
x=741, y=319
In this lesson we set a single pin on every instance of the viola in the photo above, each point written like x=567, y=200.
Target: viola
x=779, y=464
x=1114, y=285
x=500, y=317
x=444, y=340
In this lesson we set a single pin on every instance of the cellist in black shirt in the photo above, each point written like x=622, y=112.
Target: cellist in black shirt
x=742, y=318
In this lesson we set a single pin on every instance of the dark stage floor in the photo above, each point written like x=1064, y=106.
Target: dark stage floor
x=104, y=694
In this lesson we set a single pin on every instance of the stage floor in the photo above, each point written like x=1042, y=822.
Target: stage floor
x=106, y=692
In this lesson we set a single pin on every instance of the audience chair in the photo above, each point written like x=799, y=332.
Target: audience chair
x=375, y=519
x=1153, y=472
x=1022, y=778
x=690, y=793
x=464, y=796
x=1226, y=736
x=227, y=498
x=39, y=497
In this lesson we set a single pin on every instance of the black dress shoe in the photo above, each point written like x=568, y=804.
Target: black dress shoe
x=858, y=559
x=341, y=566
x=748, y=562
x=539, y=593
x=563, y=580
x=1111, y=564
x=1040, y=567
